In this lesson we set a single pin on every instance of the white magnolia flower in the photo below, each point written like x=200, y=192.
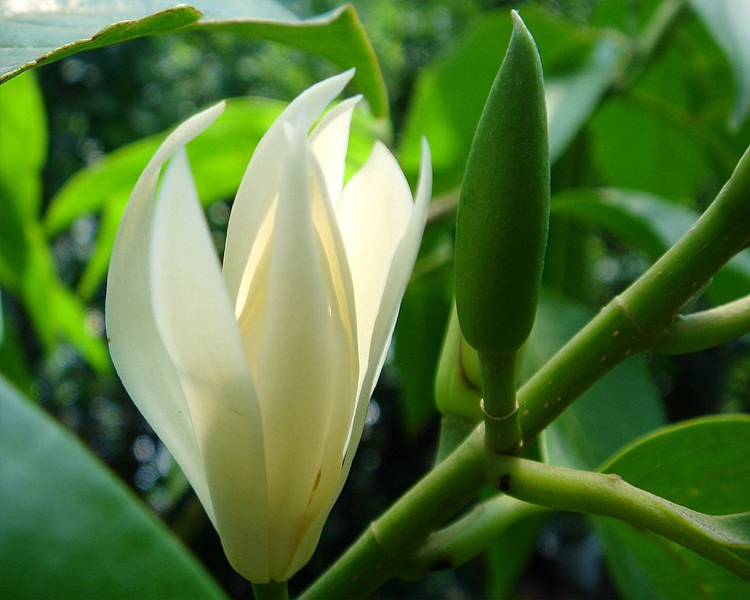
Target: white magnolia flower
x=257, y=379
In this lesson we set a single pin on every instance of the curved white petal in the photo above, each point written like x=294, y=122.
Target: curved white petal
x=260, y=185
x=303, y=362
x=373, y=216
x=398, y=277
x=329, y=141
x=137, y=350
x=196, y=321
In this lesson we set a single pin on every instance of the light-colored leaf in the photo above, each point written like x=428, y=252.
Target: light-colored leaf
x=36, y=32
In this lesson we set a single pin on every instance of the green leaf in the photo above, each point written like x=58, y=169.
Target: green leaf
x=727, y=21
x=651, y=224
x=592, y=428
x=36, y=32
x=579, y=65
x=70, y=529
x=703, y=465
x=218, y=159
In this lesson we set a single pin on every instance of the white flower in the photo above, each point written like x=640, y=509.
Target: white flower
x=257, y=379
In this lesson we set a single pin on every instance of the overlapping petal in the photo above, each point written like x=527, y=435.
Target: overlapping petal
x=137, y=350
x=397, y=278
x=196, y=321
x=260, y=185
x=258, y=379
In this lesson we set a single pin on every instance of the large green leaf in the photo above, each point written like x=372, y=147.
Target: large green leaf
x=652, y=224
x=218, y=159
x=703, y=465
x=579, y=65
x=727, y=21
x=70, y=529
x=593, y=427
x=35, y=32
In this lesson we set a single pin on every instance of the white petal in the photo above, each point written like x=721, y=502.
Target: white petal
x=137, y=351
x=260, y=186
x=403, y=263
x=373, y=216
x=329, y=141
x=196, y=321
x=303, y=364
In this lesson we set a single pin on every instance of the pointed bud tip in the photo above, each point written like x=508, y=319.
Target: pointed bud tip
x=518, y=25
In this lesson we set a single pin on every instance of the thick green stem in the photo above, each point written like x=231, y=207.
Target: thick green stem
x=501, y=424
x=274, y=590
x=691, y=333
x=609, y=495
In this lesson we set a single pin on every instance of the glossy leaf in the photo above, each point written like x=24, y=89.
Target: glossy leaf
x=727, y=21
x=703, y=465
x=579, y=64
x=64, y=511
x=651, y=224
x=36, y=32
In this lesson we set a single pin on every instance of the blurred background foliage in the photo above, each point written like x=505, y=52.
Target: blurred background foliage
x=645, y=127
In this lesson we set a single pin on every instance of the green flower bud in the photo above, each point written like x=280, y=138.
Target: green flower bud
x=503, y=214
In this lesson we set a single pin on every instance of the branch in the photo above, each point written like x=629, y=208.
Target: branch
x=560, y=488
x=691, y=333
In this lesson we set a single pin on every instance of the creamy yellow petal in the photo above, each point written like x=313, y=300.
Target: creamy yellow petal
x=373, y=216
x=303, y=366
x=137, y=350
x=403, y=263
x=260, y=185
x=329, y=141
x=196, y=321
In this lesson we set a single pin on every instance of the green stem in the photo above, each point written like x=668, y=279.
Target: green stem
x=501, y=424
x=706, y=329
x=273, y=590
x=609, y=495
